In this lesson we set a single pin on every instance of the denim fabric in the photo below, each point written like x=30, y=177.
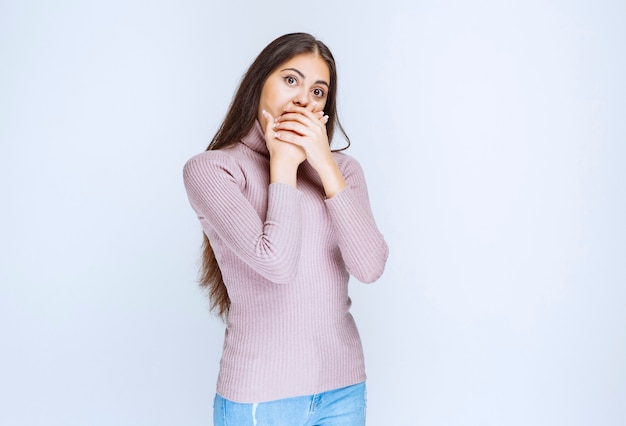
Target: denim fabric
x=339, y=407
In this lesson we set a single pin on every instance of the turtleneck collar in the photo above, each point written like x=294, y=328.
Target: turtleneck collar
x=255, y=139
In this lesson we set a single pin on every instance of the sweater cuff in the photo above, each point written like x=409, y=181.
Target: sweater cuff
x=341, y=201
x=282, y=198
x=280, y=190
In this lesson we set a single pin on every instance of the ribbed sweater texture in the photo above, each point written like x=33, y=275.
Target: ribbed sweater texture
x=286, y=256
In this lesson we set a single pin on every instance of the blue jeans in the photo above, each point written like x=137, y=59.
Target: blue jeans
x=339, y=407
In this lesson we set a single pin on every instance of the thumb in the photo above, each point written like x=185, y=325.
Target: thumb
x=269, y=122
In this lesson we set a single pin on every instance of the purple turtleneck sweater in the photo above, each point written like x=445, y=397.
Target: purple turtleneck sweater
x=286, y=255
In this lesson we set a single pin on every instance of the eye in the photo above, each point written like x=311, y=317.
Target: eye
x=291, y=80
x=318, y=92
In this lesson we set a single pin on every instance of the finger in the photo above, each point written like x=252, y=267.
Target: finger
x=317, y=118
x=288, y=136
x=309, y=109
x=269, y=120
x=295, y=127
x=322, y=117
x=296, y=117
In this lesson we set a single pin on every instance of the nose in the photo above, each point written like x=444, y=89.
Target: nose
x=302, y=99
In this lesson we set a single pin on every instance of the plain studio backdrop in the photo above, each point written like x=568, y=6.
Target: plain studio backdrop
x=492, y=135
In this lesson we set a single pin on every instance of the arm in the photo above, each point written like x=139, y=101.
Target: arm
x=271, y=247
x=362, y=246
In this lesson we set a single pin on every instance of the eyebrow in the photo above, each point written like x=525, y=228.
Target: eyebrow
x=304, y=77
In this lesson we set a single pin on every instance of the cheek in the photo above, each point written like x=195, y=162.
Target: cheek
x=265, y=98
x=321, y=104
x=268, y=93
x=273, y=98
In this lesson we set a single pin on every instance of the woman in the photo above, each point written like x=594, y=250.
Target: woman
x=286, y=222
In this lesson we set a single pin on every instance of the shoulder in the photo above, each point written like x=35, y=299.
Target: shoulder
x=213, y=164
x=342, y=158
x=208, y=157
x=347, y=163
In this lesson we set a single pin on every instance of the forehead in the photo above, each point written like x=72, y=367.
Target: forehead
x=311, y=65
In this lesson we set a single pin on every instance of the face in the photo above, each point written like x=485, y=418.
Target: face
x=301, y=80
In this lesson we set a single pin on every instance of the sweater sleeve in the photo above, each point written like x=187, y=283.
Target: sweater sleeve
x=271, y=247
x=362, y=246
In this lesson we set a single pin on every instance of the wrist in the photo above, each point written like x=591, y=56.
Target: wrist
x=332, y=179
x=283, y=171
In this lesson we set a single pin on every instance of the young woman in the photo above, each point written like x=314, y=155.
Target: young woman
x=286, y=222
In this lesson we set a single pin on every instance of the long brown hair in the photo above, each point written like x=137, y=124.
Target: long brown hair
x=240, y=119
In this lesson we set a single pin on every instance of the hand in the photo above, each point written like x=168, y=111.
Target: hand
x=305, y=128
x=280, y=150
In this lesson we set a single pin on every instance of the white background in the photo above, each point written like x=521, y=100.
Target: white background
x=492, y=134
